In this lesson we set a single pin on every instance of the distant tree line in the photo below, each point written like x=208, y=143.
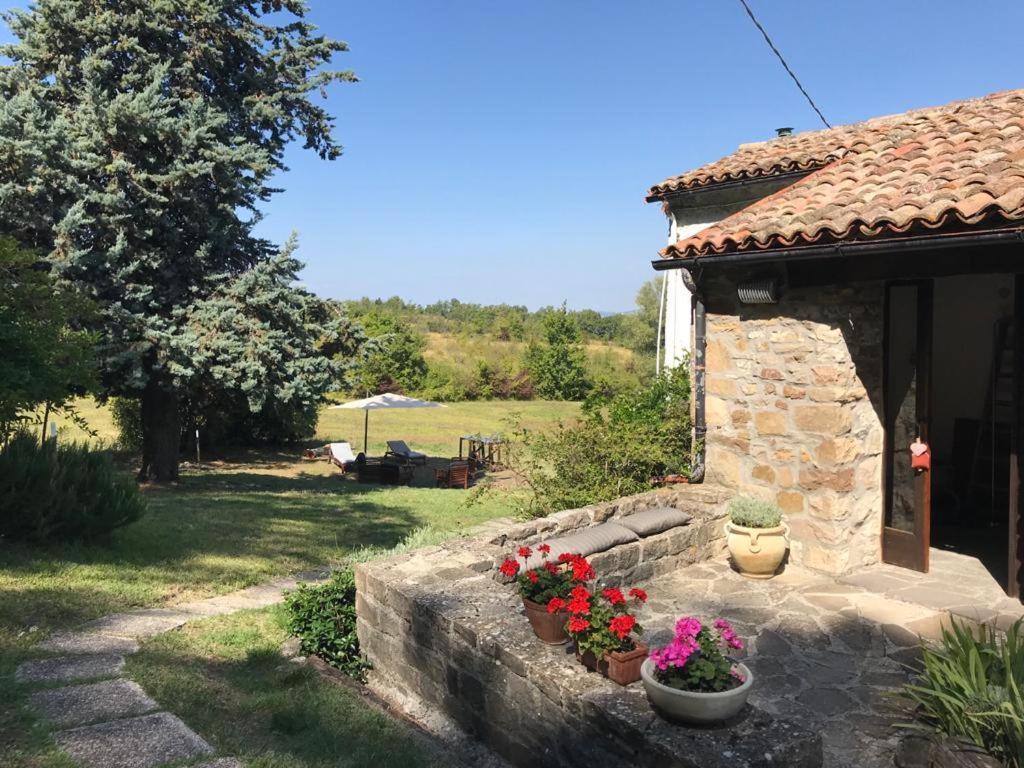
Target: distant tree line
x=544, y=353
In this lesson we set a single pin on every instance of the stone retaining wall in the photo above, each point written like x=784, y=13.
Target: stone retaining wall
x=442, y=632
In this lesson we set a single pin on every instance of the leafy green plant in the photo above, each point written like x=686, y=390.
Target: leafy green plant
x=621, y=442
x=58, y=491
x=696, y=659
x=128, y=421
x=972, y=689
x=323, y=617
x=754, y=513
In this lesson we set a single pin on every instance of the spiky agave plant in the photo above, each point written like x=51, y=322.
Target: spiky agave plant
x=972, y=689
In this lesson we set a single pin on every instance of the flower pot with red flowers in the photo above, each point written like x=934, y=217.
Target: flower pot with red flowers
x=545, y=589
x=605, y=632
x=692, y=679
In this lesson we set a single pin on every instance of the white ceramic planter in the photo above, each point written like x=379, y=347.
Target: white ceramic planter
x=695, y=708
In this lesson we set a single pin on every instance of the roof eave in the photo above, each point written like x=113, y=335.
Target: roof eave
x=1001, y=235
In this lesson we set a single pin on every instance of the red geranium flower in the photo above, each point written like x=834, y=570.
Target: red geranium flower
x=580, y=592
x=639, y=594
x=555, y=604
x=579, y=606
x=525, y=552
x=532, y=576
x=551, y=568
x=614, y=596
x=581, y=569
x=544, y=548
x=565, y=557
x=509, y=568
x=621, y=626
x=576, y=624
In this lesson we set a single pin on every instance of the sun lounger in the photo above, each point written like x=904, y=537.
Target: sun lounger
x=399, y=449
x=341, y=454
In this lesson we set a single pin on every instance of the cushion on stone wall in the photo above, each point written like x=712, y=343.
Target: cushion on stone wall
x=586, y=541
x=652, y=521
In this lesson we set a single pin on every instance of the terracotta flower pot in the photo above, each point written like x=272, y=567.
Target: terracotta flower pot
x=549, y=627
x=757, y=552
x=622, y=667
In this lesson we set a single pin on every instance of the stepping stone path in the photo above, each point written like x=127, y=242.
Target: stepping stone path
x=106, y=721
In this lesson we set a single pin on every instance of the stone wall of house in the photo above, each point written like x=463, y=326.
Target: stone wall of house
x=794, y=412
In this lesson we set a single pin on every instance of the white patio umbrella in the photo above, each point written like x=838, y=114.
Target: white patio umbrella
x=386, y=400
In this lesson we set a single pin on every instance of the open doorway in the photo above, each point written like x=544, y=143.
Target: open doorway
x=972, y=416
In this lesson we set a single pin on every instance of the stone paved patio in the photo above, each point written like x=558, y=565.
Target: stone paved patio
x=826, y=653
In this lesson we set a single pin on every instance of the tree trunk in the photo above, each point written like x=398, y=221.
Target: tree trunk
x=161, y=434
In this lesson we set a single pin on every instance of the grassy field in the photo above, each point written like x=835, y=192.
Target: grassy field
x=237, y=521
x=234, y=521
x=226, y=679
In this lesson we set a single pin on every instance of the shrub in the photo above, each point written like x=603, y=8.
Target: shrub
x=972, y=688
x=754, y=513
x=57, y=491
x=127, y=417
x=621, y=442
x=323, y=617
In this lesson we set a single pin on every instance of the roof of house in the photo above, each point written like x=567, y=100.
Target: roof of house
x=950, y=167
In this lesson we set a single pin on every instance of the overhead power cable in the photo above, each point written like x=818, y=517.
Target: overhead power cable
x=775, y=50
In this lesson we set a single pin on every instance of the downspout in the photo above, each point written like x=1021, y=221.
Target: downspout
x=700, y=331
x=700, y=428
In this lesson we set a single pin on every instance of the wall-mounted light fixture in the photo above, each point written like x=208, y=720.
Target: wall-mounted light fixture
x=764, y=291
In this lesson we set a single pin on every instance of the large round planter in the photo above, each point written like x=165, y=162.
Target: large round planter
x=695, y=708
x=757, y=552
x=548, y=627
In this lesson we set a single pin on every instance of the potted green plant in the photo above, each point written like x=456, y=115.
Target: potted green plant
x=605, y=632
x=692, y=679
x=545, y=589
x=757, y=537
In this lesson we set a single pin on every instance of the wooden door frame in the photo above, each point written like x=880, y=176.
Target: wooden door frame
x=909, y=549
x=1015, y=540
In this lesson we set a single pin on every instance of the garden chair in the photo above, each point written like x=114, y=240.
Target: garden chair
x=400, y=450
x=457, y=475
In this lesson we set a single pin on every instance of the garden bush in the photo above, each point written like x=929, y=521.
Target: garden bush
x=621, y=442
x=323, y=617
x=754, y=513
x=61, y=492
x=972, y=689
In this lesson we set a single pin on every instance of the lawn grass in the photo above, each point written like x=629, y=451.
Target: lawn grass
x=224, y=528
x=226, y=678
x=233, y=522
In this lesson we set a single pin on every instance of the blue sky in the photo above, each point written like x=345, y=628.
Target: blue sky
x=500, y=151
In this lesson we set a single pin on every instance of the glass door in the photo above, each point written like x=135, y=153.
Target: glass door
x=907, y=361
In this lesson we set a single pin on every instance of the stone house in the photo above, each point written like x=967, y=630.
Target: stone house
x=848, y=291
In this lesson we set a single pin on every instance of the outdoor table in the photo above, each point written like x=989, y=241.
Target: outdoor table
x=486, y=449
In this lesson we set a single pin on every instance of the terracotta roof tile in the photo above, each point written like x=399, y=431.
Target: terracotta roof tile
x=957, y=165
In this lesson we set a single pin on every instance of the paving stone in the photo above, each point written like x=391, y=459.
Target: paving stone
x=141, y=624
x=138, y=742
x=67, y=668
x=91, y=703
x=88, y=642
x=223, y=762
x=939, y=598
x=827, y=701
x=875, y=581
